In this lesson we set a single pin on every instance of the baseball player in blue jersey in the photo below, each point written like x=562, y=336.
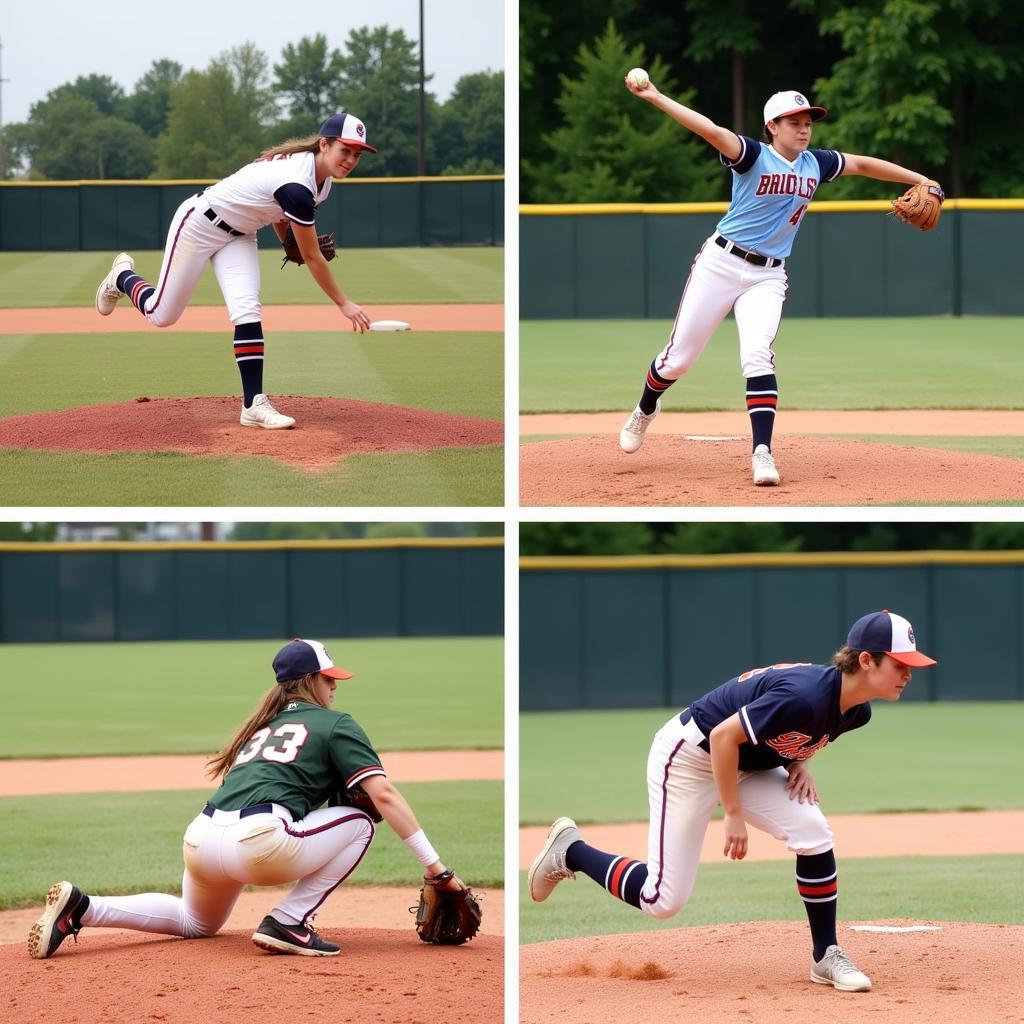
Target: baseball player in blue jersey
x=747, y=745
x=742, y=266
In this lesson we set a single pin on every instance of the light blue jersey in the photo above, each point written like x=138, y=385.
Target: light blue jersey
x=770, y=195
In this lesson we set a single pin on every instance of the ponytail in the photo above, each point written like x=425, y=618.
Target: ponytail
x=269, y=707
x=308, y=144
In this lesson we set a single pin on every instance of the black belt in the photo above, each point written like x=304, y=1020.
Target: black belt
x=746, y=254
x=244, y=812
x=222, y=224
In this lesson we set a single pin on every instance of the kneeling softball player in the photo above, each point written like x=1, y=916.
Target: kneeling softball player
x=218, y=225
x=747, y=744
x=259, y=827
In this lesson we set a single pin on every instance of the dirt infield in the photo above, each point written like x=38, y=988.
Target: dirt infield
x=759, y=972
x=327, y=430
x=202, y=319
x=704, y=459
x=384, y=973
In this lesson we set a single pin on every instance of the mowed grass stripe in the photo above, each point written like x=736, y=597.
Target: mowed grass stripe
x=864, y=363
x=910, y=757
x=188, y=697
x=471, y=274
x=984, y=890
x=131, y=842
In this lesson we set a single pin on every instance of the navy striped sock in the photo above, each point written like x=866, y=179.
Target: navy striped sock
x=622, y=877
x=762, y=400
x=654, y=387
x=818, y=884
x=137, y=288
x=249, y=357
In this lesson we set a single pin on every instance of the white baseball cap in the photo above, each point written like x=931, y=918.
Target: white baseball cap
x=885, y=632
x=348, y=128
x=305, y=658
x=789, y=102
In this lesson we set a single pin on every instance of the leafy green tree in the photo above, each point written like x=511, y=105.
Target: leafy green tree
x=28, y=531
x=379, y=83
x=725, y=538
x=150, y=103
x=100, y=90
x=218, y=117
x=307, y=79
x=584, y=538
x=613, y=147
x=471, y=132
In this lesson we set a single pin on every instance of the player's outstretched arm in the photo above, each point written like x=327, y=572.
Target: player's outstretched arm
x=395, y=810
x=305, y=237
x=725, y=141
x=726, y=738
x=881, y=170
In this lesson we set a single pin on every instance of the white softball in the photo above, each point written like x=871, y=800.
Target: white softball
x=638, y=78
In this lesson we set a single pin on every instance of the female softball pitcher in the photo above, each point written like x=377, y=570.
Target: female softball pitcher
x=259, y=827
x=746, y=745
x=742, y=266
x=218, y=225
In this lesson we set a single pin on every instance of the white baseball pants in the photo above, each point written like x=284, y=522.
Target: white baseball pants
x=192, y=242
x=225, y=852
x=682, y=796
x=720, y=281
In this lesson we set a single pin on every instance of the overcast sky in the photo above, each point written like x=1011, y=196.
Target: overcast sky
x=49, y=42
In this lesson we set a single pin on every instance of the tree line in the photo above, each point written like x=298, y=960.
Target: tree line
x=929, y=84
x=179, y=123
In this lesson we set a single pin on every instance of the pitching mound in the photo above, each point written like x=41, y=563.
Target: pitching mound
x=672, y=470
x=379, y=976
x=760, y=972
x=326, y=431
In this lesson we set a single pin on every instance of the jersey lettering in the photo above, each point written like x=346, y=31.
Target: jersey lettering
x=786, y=185
x=294, y=734
x=792, y=745
x=767, y=668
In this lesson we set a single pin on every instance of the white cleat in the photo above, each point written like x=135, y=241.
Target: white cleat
x=108, y=294
x=835, y=968
x=765, y=472
x=549, y=867
x=262, y=414
x=632, y=434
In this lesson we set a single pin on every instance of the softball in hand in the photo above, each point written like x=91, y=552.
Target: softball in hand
x=638, y=78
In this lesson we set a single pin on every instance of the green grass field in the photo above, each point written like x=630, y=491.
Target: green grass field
x=975, y=889
x=422, y=369
x=131, y=842
x=188, y=697
x=898, y=363
x=912, y=757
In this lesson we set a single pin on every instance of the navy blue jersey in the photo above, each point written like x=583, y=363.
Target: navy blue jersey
x=789, y=712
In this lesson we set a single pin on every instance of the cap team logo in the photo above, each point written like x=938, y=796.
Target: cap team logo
x=800, y=100
x=360, y=130
x=910, y=635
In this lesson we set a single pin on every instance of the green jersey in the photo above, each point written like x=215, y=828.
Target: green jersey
x=306, y=753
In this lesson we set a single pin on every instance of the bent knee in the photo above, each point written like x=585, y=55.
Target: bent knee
x=193, y=929
x=664, y=906
x=816, y=837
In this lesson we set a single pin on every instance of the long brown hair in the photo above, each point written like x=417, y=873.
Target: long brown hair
x=269, y=707
x=308, y=144
x=847, y=660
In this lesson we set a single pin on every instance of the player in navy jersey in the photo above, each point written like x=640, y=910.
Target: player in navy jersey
x=747, y=745
x=742, y=266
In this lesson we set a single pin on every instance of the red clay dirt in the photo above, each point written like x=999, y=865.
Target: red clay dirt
x=759, y=972
x=327, y=429
x=703, y=458
x=125, y=319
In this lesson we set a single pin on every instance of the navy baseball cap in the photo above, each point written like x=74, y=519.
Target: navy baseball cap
x=885, y=632
x=348, y=128
x=304, y=658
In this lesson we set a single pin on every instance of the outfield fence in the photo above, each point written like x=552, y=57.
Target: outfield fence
x=232, y=591
x=362, y=212
x=661, y=631
x=630, y=260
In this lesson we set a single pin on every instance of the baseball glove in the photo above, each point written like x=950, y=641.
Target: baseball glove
x=445, y=917
x=920, y=205
x=355, y=797
x=291, y=248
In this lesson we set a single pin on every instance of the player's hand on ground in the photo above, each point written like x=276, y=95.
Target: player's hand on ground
x=735, y=837
x=800, y=785
x=355, y=313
